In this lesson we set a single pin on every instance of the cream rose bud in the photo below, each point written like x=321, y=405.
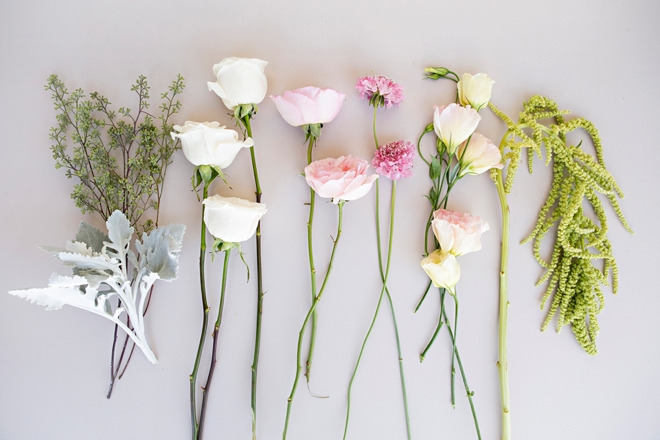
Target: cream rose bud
x=478, y=155
x=475, y=90
x=207, y=143
x=231, y=219
x=443, y=269
x=458, y=233
x=454, y=124
x=240, y=81
x=341, y=179
x=309, y=105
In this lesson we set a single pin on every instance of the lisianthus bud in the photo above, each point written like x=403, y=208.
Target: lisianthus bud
x=478, y=154
x=443, y=269
x=475, y=90
x=436, y=72
x=454, y=124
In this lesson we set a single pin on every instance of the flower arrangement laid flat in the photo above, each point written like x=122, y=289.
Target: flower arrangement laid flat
x=120, y=163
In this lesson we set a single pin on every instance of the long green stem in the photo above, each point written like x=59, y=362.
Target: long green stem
x=437, y=328
x=460, y=367
x=260, y=290
x=218, y=321
x=504, y=309
x=453, y=351
x=205, y=323
x=384, y=290
x=312, y=268
x=308, y=316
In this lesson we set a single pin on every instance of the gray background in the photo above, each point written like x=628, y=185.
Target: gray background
x=597, y=58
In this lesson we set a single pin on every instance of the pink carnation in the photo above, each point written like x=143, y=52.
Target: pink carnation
x=394, y=160
x=373, y=87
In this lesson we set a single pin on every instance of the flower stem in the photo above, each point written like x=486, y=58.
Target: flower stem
x=260, y=291
x=453, y=350
x=205, y=322
x=384, y=290
x=308, y=316
x=502, y=364
x=460, y=367
x=438, y=327
x=312, y=268
x=374, y=127
x=218, y=321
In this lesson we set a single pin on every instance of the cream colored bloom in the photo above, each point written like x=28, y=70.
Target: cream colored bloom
x=454, y=124
x=240, y=81
x=458, y=233
x=475, y=90
x=443, y=269
x=207, y=143
x=479, y=155
x=231, y=219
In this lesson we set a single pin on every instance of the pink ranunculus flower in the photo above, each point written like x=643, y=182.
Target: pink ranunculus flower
x=479, y=155
x=309, y=105
x=380, y=86
x=454, y=124
x=341, y=179
x=394, y=160
x=458, y=233
x=443, y=269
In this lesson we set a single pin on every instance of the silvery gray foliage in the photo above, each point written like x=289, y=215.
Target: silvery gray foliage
x=100, y=271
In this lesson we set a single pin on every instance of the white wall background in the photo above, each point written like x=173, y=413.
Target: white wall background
x=597, y=58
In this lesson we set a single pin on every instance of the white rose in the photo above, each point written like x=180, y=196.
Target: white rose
x=443, y=269
x=475, y=90
x=240, y=81
x=231, y=219
x=207, y=143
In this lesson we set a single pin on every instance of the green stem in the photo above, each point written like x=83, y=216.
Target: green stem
x=374, y=126
x=438, y=327
x=205, y=323
x=453, y=350
x=308, y=316
x=260, y=290
x=218, y=321
x=426, y=292
x=384, y=290
x=312, y=268
x=460, y=367
x=502, y=364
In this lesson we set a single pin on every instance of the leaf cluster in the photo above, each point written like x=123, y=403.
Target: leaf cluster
x=119, y=158
x=580, y=242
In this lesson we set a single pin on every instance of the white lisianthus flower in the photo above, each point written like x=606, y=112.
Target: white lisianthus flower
x=454, y=124
x=240, y=81
x=208, y=143
x=231, y=219
x=475, y=90
x=458, y=233
x=443, y=269
x=479, y=155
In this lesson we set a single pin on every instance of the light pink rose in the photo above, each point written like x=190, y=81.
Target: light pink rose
x=344, y=178
x=479, y=156
x=443, y=269
x=454, y=124
x=309, y=105
x=458, y=233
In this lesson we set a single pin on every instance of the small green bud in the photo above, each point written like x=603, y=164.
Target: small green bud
x=435, y=72
x=429, y=128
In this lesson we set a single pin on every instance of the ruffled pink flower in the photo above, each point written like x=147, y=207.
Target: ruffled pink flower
x=375, y=87
x=341, y=179
x=458, y=233
x=394, y=160
x=309, y=105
